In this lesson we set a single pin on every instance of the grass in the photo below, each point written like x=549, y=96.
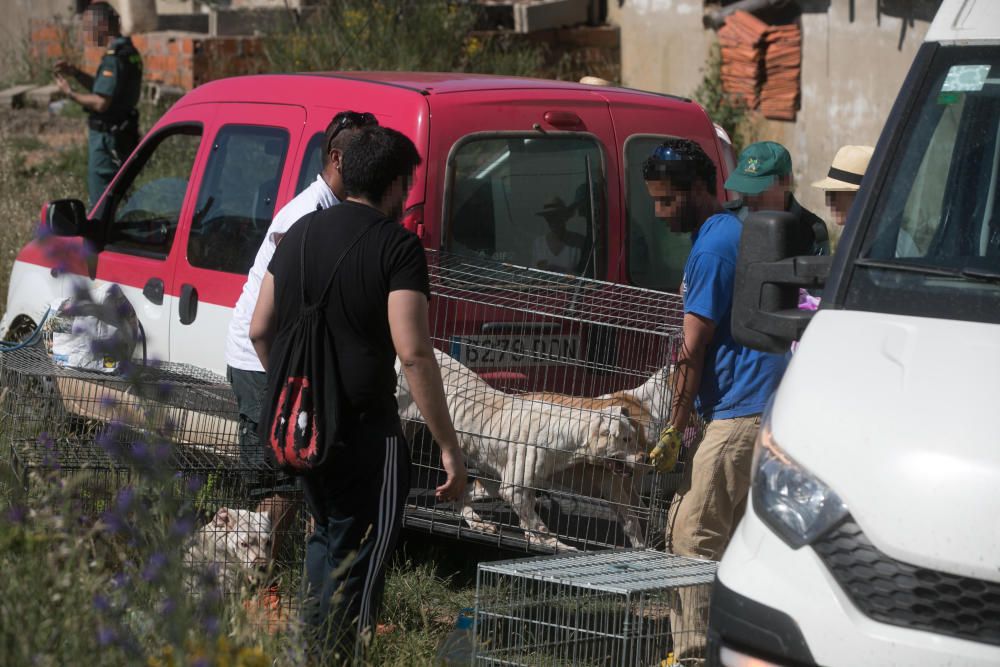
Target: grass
x=81, y=586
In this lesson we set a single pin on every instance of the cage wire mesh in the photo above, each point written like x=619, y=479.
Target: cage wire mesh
x=558, y=387
x=614, y=608
x=98, y=430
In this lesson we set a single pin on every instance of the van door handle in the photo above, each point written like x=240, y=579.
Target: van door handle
x=154, y=291
x=187, y=307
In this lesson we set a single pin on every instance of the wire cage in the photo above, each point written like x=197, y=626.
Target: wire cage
x=626, y=608
x=558, y=387
x=100, y=431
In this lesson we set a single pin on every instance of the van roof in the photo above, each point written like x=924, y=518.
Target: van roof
x=284, y=87
x=966, y=21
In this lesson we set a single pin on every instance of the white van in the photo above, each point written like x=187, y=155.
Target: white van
x=874, y=533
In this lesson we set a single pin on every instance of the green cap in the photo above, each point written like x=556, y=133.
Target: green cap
x=761, y=164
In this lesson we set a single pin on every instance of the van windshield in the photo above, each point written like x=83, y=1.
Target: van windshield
x=932, y=247
x=535, y=201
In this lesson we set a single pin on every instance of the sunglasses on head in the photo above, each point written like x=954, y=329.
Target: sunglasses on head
x=350, y=120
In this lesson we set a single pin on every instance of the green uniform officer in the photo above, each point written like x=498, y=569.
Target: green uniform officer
x=111, y=103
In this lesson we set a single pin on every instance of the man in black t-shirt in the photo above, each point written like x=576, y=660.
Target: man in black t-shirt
x=376, y=310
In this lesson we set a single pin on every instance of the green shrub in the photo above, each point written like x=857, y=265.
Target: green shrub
x=727, y=110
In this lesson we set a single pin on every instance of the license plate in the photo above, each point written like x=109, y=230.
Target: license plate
x=505, y=350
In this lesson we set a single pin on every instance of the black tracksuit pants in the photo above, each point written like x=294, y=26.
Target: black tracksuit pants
x=358, y=508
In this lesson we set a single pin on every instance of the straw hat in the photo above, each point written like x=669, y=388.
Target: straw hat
x=847, y=170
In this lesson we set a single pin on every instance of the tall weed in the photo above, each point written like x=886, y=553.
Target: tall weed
x=394, y=35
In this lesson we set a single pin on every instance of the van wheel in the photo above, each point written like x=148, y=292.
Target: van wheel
x=30, y=403
x=22, y=327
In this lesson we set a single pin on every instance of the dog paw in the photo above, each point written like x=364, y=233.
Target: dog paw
x=549, y=542
x=483, y=527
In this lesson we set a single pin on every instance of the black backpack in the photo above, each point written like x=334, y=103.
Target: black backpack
x=304, y=425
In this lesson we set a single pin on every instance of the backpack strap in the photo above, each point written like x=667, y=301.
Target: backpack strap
x=336, y=266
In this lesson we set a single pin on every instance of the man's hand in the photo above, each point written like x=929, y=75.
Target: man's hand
x=64, y=68
x=664, y=456
x=63, y=85
x=454, y=465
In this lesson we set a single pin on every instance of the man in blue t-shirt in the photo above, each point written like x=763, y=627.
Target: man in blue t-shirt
x=727, y=383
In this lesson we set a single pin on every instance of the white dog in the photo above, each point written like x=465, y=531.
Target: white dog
x=236, y=544
x=524, y=443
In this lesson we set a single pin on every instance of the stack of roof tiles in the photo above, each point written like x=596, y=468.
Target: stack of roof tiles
x=761, y=64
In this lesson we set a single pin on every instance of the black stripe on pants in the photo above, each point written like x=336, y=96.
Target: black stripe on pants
x=358, y=508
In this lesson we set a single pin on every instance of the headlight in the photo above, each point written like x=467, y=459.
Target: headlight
x=796, y=505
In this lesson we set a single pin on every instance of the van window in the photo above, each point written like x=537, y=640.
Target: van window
x=656, y=256
x=146, y=214
x=237, y=197
x=529, y=200
x=932, y=246
x=312, y=162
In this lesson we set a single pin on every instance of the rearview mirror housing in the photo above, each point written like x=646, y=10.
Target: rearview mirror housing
x=65, y=217
x=765, y=304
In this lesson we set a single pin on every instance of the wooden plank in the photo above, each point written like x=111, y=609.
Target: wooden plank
x=13, y=97
x=42, y=95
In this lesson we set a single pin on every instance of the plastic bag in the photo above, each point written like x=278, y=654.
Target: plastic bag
x=95, y=334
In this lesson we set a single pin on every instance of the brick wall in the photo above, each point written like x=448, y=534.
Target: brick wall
x=50, y=39
x=171, y=58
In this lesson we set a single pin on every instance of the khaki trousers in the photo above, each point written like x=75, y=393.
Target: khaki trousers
x=709, y=504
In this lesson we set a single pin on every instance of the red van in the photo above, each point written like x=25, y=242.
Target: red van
x=179, y=226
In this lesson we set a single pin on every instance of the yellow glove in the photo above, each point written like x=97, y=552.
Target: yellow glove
x=668, y=448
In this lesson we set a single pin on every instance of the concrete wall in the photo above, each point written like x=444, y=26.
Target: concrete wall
x=851, y=70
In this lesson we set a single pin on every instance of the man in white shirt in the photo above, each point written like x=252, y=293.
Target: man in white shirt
x=244, y=370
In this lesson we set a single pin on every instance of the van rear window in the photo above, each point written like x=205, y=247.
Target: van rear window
x=535, y=201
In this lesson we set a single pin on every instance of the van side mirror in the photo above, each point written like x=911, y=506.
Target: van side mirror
x=65, y=217
x=765, y=305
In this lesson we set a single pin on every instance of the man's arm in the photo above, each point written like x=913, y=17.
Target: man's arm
x=66, y=69
x=411, y=338
x=89, y=101
x=264, y=320
x=698, y=333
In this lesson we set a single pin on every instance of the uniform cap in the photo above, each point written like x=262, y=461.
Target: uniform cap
x=760, y=165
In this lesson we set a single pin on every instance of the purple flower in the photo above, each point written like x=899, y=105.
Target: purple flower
x=140, y=451
x=183, y=527
x=108, y=402
x=154, y=567
x=125, y=499
x=17, y=514
x=161, y=451
x=200, y=662
x=167, y=607
x=210, y=625
x=109, y=440
x=113, y=523
x=120, y=580
x=106, y=635
x=101, y=603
